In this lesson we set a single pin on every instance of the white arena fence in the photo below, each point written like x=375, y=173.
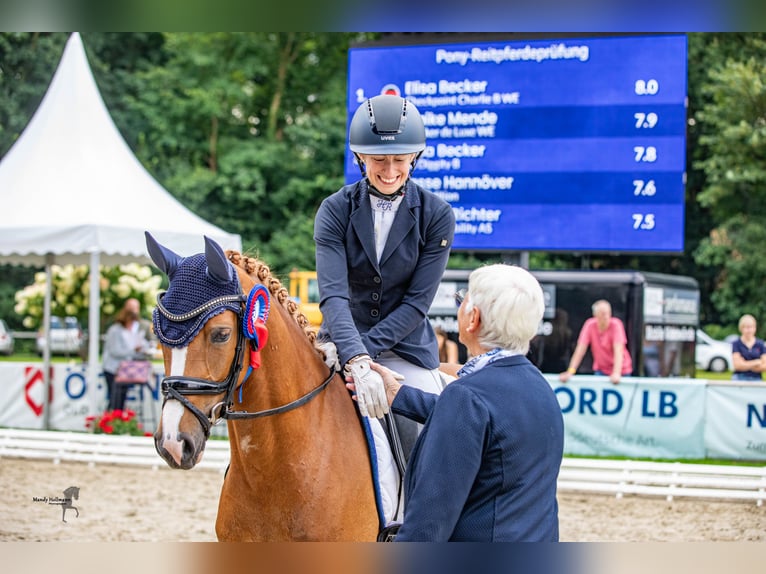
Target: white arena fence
x=617, y=477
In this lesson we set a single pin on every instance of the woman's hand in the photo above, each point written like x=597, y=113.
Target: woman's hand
x=390, y=381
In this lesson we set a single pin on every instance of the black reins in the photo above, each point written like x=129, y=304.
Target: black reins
x=178, y=387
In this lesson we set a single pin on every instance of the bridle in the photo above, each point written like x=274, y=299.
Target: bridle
x=179, y=387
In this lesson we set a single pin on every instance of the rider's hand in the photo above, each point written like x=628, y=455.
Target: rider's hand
x=370, y=391
x=330, y=353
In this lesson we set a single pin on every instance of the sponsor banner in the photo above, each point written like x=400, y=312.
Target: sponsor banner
x=71, y=395
x=736, y=421
x=639, y=417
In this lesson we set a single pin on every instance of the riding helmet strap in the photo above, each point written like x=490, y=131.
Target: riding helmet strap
x=254, y=322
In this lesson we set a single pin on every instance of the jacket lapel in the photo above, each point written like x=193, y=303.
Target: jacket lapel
x=361, y=221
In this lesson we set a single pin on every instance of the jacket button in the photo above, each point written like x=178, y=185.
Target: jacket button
x=375, y=296
x=374, y=313
x=376, y=279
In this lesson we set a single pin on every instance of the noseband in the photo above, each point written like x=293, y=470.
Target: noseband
x=178, y=387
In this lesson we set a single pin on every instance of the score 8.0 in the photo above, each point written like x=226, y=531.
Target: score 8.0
x=647, y=87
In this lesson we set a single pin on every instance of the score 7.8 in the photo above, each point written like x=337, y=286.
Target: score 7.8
x=645, y=153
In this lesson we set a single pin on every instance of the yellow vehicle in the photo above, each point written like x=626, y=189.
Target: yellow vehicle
x=305, y=290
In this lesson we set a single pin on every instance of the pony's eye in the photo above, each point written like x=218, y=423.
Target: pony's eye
x=220, y=335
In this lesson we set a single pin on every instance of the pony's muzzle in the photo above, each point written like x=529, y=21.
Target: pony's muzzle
x=179, y=452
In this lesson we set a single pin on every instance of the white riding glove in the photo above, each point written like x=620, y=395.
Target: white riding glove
x=370, y=390
x=330, y=353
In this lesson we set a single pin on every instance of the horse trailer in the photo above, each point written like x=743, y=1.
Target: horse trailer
x=660, y=313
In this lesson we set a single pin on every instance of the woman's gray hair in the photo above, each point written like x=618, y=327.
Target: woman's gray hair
x=511, y=302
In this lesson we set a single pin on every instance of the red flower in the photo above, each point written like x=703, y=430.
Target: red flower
x=115, y=422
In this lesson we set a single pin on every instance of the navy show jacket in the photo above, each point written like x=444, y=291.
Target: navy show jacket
x=370, y=307
x=485, y=467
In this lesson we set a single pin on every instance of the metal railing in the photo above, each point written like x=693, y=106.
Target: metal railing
x=617, y=477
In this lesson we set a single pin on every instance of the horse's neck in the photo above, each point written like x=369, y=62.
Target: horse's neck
x=290, y=366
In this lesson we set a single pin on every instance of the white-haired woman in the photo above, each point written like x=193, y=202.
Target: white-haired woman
x=485, y=466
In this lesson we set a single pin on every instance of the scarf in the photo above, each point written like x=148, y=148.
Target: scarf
x=481, y=361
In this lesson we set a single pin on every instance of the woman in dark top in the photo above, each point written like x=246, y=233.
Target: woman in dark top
x=748, y=353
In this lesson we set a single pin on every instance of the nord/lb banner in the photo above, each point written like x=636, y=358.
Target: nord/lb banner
x=663, y=418
x=735, y=421
x=655, y=418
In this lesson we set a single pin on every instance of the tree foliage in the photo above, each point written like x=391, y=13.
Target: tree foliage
x=247, y=130
x=733, y=160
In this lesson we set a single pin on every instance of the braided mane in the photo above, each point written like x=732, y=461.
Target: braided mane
x=259, y=270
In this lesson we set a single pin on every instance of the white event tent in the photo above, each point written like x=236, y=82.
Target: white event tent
x=73, y=192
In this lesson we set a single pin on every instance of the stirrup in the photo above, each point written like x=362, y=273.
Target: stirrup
x=388, y=534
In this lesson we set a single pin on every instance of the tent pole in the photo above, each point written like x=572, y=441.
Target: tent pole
x=47, y=335
x=94, y=332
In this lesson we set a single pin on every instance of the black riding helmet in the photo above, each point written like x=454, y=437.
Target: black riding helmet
x=386, y=125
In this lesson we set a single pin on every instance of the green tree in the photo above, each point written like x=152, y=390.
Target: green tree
x=247, y=130
x=734, y=164
x=27, y=63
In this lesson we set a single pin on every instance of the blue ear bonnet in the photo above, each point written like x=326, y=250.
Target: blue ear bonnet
x=190, y=288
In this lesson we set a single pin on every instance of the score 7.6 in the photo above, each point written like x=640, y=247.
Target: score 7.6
x=646, y=188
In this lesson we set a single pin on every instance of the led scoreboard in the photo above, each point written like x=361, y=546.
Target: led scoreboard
x=555, y=145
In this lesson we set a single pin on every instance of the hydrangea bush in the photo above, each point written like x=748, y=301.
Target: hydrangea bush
x=71, y=292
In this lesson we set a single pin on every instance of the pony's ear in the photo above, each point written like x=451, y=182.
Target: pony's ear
x=164, y=258
x=218, y=267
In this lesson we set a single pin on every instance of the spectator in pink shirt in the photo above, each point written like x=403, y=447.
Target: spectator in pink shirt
x=605, y=335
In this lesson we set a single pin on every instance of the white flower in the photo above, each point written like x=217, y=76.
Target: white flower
x=71, y=291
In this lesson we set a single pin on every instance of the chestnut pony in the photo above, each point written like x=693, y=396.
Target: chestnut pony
x=236, y=347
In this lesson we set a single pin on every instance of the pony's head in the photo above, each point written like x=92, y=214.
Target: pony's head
x=199, y=322
x=211, y=323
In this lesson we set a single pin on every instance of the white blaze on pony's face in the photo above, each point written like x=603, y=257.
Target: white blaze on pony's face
x=174, y=410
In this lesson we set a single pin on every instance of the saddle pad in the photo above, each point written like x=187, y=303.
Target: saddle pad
x=385, y=474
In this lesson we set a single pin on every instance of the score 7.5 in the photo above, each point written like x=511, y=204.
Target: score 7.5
x=643, y=221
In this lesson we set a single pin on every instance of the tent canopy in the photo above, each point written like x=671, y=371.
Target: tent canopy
x=73, y=192
x=70, y=186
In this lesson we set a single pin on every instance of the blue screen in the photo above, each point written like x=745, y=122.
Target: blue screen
x=554, y=145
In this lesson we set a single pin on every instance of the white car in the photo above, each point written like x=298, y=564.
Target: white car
x=66, y=337
x=6, y=339
x=712, y=355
